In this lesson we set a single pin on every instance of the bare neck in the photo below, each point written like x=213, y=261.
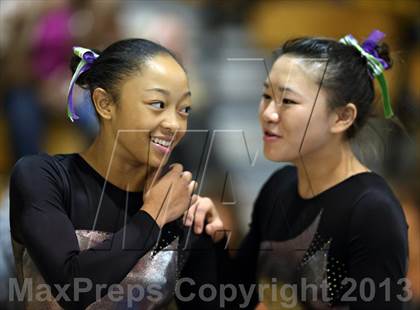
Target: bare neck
x=325, y=168
x=112, y=164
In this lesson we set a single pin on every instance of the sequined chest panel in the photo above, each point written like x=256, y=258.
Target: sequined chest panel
x=300, y=273
x=149, y=285
x=151, y=282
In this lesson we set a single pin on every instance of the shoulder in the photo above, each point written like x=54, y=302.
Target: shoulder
x=378, y=202
x=37, y=160
x=36, y=184
x=36, y=170
x=377, y=216
x=28, y=166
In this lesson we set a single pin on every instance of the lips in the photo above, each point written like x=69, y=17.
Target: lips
x=162, y=143
x=270, y=136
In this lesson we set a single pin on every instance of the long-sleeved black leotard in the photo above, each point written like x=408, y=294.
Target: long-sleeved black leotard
x=71, y=229
x=350, y=241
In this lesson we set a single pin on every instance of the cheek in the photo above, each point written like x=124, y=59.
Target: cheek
x=299, y=126
x=129, y=117
x=135, y=127
x=294, y=121
x=318, y=131
x=183, y=123
x=182, y=131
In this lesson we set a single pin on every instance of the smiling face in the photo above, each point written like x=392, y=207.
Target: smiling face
x=289, y=96
x=152, y=112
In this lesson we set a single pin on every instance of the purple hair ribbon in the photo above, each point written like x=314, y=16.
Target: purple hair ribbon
x=371, y=42
x=87, y=58
x=376, y=64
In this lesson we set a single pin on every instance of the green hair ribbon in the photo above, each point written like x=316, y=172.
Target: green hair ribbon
x=376, y=64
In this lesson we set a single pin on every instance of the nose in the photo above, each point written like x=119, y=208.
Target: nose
x=270, y=113
x=170, y=123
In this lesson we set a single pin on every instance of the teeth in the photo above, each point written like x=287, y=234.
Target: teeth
x=161, y=142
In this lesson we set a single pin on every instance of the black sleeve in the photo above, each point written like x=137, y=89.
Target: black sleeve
x=378, y=254
x=39, y=221
x=200, y=269
x=239, y=267
x=229, y=270
x=209, y=264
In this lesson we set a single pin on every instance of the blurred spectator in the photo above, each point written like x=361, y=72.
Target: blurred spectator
x=35, y=61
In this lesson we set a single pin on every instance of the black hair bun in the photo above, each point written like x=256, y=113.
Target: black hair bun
x=383, y=51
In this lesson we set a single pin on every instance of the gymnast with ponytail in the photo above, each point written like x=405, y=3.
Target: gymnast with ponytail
x=103, y=227
x=326, y=231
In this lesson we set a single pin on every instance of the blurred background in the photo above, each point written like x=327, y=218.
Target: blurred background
x=226, y=48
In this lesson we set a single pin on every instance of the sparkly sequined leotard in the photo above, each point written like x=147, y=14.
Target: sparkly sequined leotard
x=80, y=235
x=346, y=248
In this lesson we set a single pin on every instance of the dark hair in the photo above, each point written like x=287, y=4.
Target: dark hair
x=118, y=61
x=347, y=77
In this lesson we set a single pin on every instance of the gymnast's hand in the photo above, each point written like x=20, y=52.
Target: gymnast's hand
x=168, y=198
x=204, y=211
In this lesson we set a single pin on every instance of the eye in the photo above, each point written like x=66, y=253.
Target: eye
x=158, y=105
x=186, y=110
x=266, y=97
x=288, y=101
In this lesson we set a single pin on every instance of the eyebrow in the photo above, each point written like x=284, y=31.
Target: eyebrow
x=282, y=89
x=160, y=90
x=167, y=92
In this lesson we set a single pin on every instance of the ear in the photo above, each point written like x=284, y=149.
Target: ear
x=103, y=102
x=343, y=118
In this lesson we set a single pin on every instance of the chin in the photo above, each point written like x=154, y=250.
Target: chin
x=278, y=156
x=156, y=162
x=272, y=156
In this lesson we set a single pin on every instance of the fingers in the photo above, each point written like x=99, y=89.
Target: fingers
x=189, y=214
x=202, y=208
x=197, y=213
x=215, y=229
x=177, y=173
x=194, y=197
x=186, y=176
x=191, y=187
x=195, y=187
x=199, y=218
x=176, y=168
x=174, y=189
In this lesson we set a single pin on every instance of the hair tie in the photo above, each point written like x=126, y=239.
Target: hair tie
x=87, y=58
x=376, y=64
